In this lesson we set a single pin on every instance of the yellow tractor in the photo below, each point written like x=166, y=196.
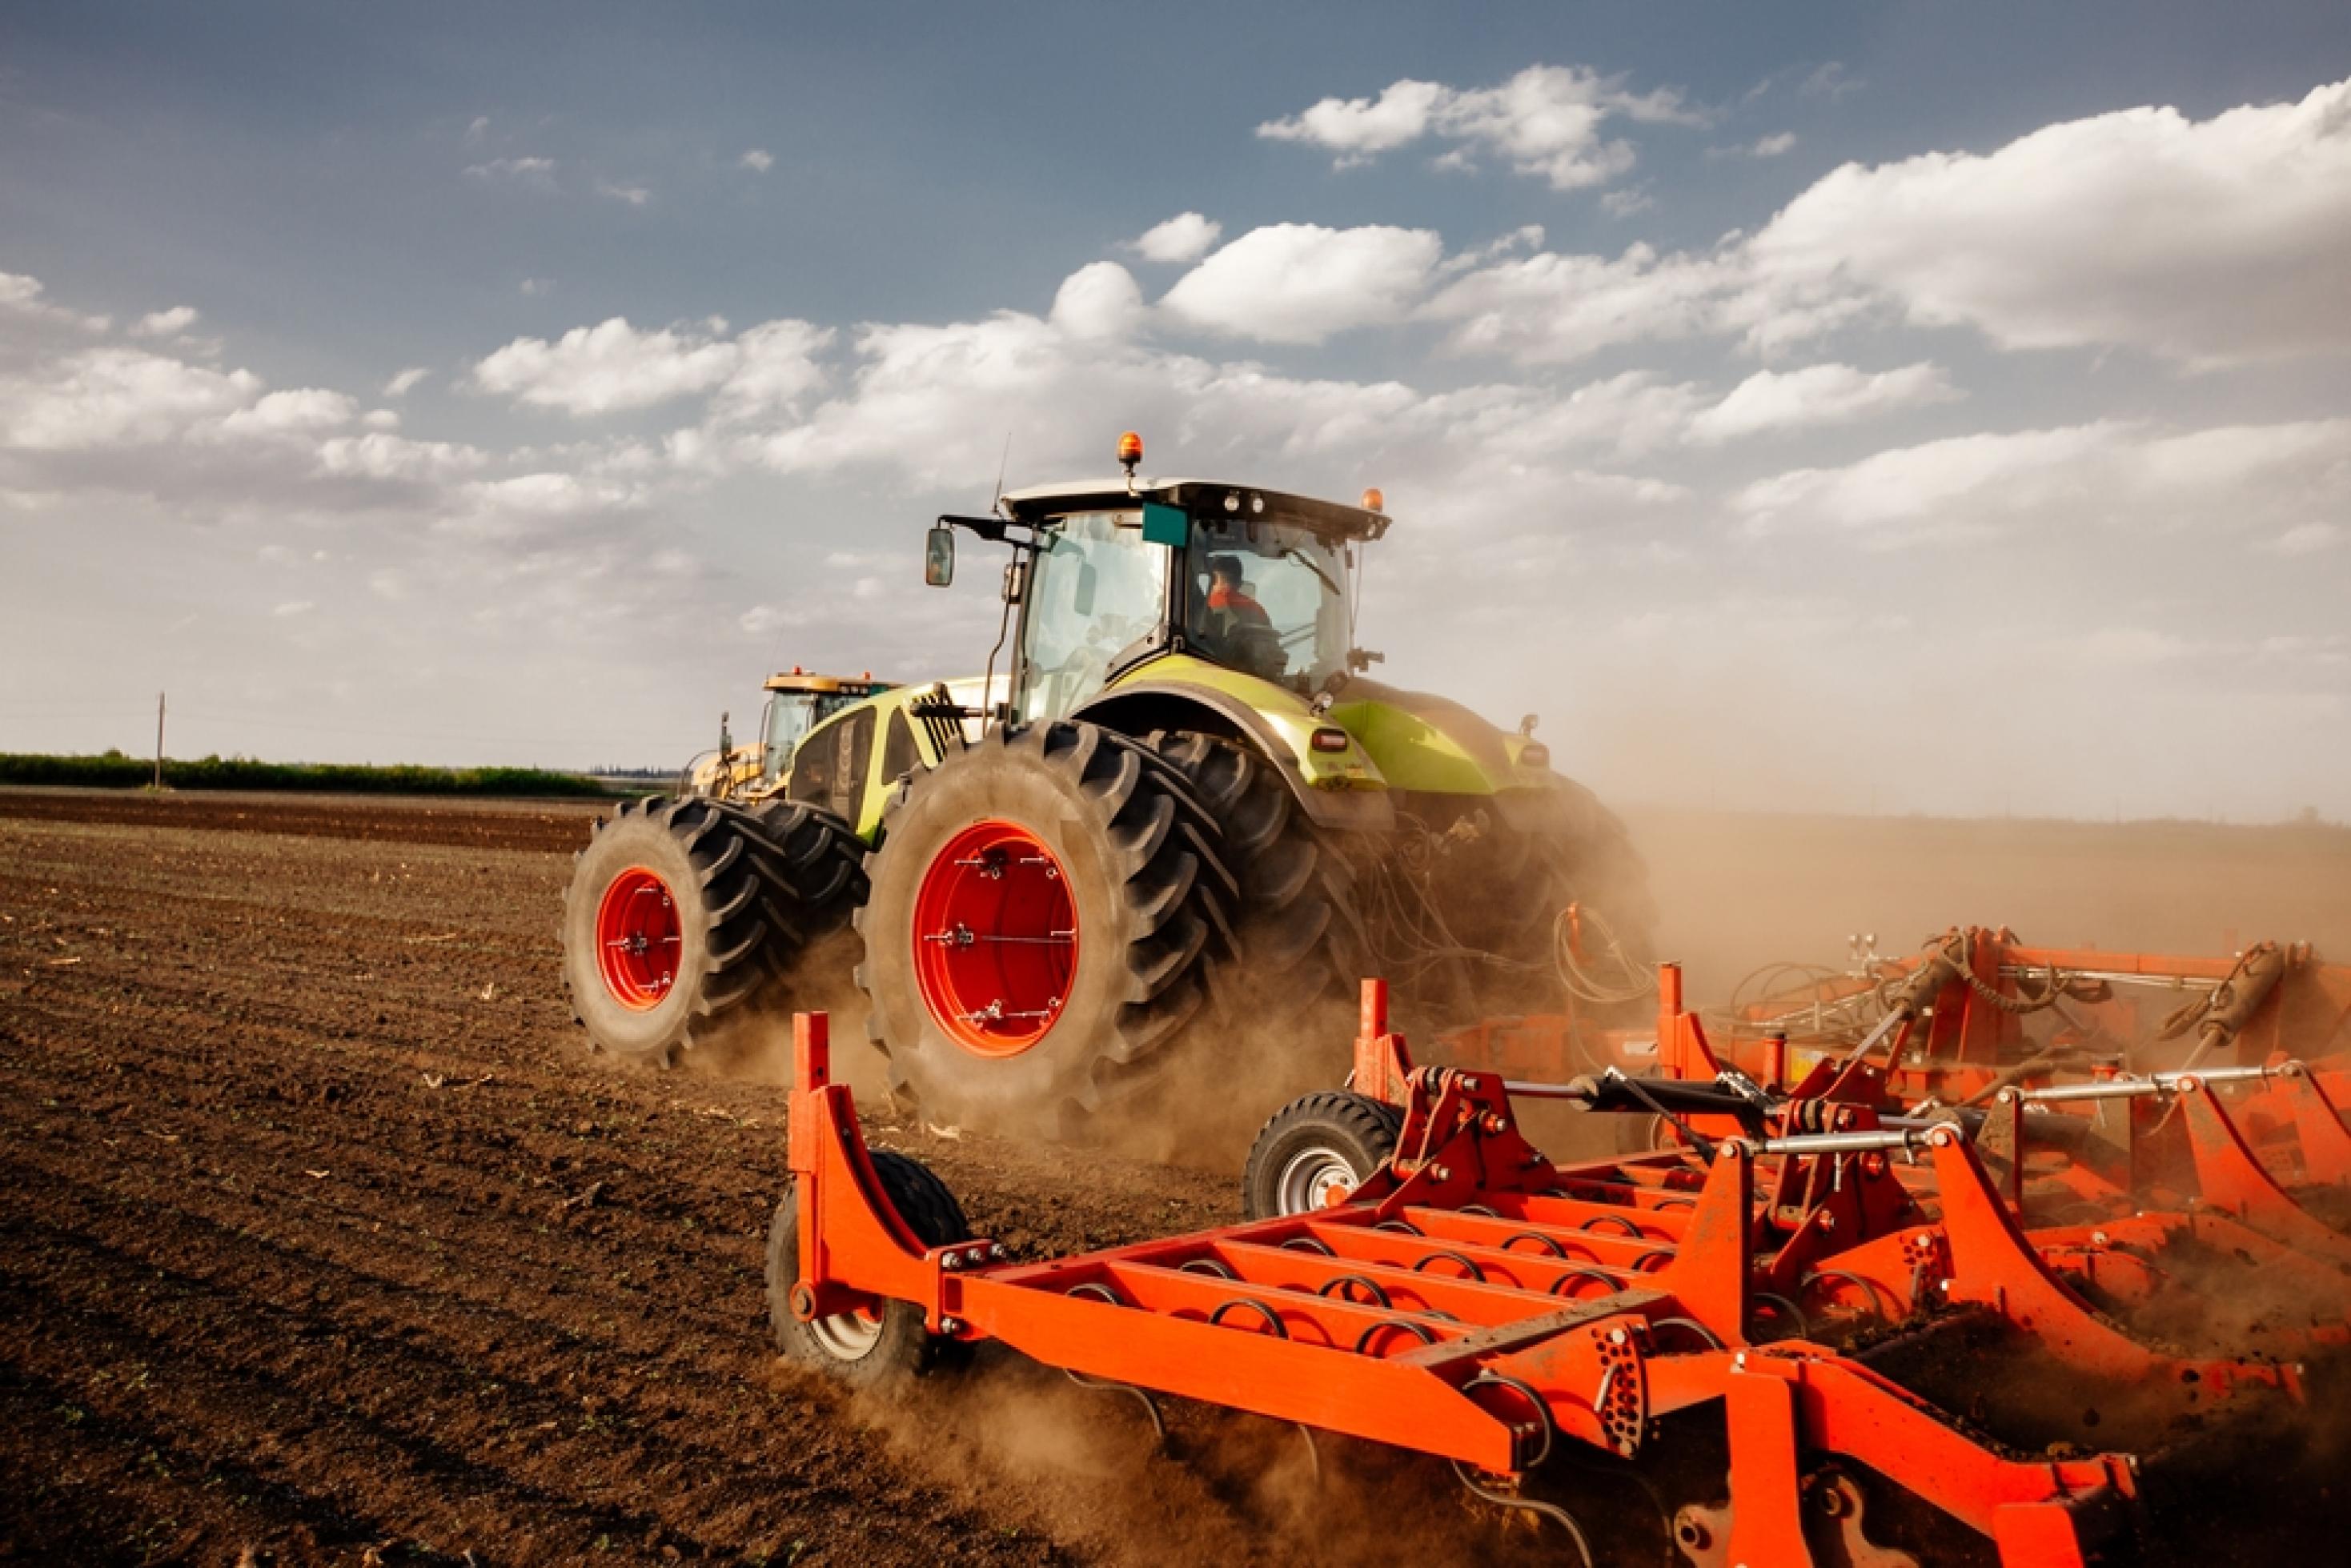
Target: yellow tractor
x=799, y=701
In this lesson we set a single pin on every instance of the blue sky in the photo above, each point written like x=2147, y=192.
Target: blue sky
x=1750, y=382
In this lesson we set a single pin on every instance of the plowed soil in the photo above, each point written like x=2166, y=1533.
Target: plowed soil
x=321, y=1234
x=323, y=1240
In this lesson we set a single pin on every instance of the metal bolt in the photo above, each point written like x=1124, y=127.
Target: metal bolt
x=1617, y=1336
x=2098, y=1237
x=951, y=1326
x=1740, y=1361
x=1443, y=1173
x=952, y=1261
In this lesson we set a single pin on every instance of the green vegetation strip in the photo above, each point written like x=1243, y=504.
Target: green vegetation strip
x=113, y=770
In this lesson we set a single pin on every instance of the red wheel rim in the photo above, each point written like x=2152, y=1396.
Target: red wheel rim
x=996, y=939
x=637, y=939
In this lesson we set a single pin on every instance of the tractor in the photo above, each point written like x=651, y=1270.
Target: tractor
x=797, y=703
x=1182, y=812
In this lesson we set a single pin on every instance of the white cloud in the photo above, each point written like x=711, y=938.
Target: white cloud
x=1100, y=301
x=2210, y=242
x=606, y=368
x=293, y=607
x=533, y=287
x=111, y=396
x=1624, y=203
x=165, y=323
x=2307, y=539
x=479, y=128
x=1545, y=120
x=1818, y=395
x=2106, y=473
x=1356, y=128
x=1831, y=81
x=634, y=195
x=1301, y=283
x=537, y=505
x=614, y=366
x=20, y=296
x=1551, y=307
x=384, y=457
x=1772, y=146
x=530, y=171
x=759, y=159
x=405, y=382
x=300, y=411
x=776, y=366
x=1186, y=236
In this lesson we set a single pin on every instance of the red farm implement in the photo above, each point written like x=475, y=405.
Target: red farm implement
x=1778, y=1328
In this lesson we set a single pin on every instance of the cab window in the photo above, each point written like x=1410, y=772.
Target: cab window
x=1096, y=590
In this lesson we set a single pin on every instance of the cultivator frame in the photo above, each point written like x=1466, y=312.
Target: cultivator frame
x=1474, y=1302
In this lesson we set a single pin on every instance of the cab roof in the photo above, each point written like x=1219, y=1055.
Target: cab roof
x=1202, y=498
x=797, y=680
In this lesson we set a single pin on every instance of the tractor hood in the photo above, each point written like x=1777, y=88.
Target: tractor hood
x=1396, y=740
x=1423, y=742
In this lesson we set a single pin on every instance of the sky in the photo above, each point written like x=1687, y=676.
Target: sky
x=1885, y=408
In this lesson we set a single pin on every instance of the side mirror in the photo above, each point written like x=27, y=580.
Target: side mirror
x=938, y=556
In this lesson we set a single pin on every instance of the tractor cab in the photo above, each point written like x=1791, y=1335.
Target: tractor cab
x=797, y=702
x=1113, y=574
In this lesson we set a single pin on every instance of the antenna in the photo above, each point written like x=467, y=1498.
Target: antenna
x=996, y=497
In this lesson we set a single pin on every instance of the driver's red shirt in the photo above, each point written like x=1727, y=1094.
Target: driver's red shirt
x=1223, y=598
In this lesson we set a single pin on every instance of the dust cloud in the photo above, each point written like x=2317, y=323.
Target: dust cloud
x=1738, y=890
x=1083, y=1467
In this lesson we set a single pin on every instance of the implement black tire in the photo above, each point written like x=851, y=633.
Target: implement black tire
x=1149, y=892
x=1301, y=951
x=753, y=889
x=868, y=1350
x=1316, y=1140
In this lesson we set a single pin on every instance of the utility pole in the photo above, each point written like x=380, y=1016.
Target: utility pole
x=159, y=741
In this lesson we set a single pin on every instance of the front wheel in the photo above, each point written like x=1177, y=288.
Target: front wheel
x=1315, y=1150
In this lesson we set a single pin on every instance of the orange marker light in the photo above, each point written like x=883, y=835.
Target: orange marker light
x=1373, y=501
x=1130, y=449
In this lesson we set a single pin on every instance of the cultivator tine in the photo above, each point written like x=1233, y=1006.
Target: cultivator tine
x=2230, y=1178
x=2326, y=1142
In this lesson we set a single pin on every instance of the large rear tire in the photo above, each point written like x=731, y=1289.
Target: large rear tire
x=1044, y=911
x=1300, y=949
x=686, y=919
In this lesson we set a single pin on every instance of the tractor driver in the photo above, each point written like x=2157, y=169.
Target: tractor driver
x=1237, y=628
x=1227, y=593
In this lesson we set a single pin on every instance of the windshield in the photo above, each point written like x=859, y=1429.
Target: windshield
x=1097, y=589
x=1268, y=599
x=790, y=717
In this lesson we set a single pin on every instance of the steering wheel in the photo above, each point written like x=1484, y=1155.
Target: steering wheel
x=1258, y=649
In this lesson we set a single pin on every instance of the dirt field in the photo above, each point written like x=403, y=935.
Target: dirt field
x=320, y=1235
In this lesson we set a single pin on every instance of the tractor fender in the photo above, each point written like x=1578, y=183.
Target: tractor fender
x=1140, y=708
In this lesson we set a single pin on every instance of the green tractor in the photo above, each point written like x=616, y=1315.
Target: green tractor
x=1181, y=821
